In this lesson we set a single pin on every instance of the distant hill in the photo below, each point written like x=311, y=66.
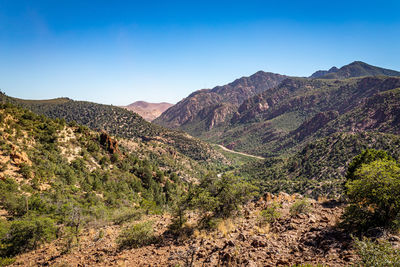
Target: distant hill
x=355, y=69
x=209, y=107
x=149, y=111
x=119, y=122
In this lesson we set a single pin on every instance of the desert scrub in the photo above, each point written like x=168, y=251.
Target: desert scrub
x=377, y=254
x=269, y=214
x=122, y=216
x=137, y=235
x=300, y=206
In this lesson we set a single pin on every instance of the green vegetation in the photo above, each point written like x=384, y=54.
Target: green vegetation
x=377, y=254
x=373, y=191
x=300, y=207
x=118, y=122
x=137, y=235
x=270, y=214
x=221, y=196
x=68, y=177
x=215, y=198
x=318, y=169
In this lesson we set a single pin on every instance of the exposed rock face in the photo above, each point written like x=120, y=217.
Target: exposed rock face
x=202, y=102
x=355, y=69
x=149, y=111
x=109, y=143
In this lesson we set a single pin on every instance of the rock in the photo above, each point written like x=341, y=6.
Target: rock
x=110, y=144
x=242, y=237
x=250, y=263
x=230, y=243
x=258, y=242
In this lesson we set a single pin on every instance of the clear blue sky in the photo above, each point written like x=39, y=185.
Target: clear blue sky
x=117, y=52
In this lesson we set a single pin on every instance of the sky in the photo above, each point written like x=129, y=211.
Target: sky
x=117, y=52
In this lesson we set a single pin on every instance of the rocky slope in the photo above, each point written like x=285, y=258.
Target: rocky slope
x=306, y=238
x=149, y=111
x=211, y=106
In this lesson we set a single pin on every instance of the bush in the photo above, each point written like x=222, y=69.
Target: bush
x=270, y=214
x=138, y=235
x=29, y=234
x=374, y=196
x=221, y=196
x=377, y=254
x=127, y=215
x=6, y=261
x=300, y=206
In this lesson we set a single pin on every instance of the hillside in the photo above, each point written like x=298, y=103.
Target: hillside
x=119, y=122
x=290, y=114
x=213, y=106
x=355, y=69
x=149, y=111
x=318, y=167
x=64, y=176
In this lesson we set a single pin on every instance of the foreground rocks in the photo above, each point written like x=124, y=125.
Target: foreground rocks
x=311, y=238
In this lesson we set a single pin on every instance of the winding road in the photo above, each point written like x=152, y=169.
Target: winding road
x=240, y=153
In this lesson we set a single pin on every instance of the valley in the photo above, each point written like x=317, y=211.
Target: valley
x=269, y=170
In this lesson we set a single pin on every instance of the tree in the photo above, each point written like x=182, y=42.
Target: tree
x=221, y=196
x=366, y=157
x=373, y=189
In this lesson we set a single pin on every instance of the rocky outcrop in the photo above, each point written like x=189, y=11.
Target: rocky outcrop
x=110, y=144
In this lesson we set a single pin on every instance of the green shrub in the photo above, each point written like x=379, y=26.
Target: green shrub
x=222, y=196
x=300, y=206
x=127, y=215
x=376, y=254
x=6, y=261
x=374, y=196
x=138, y=235
x=28, y=234
x=270, y=214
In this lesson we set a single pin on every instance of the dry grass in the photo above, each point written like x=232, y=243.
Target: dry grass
x=226, y=227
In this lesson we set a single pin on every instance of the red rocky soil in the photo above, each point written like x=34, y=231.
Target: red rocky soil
x=305, y=238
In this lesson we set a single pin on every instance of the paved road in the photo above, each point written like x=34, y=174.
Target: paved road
x=240, y=153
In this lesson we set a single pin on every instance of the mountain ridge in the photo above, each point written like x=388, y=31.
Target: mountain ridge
x=234, y=93
x=354, y=69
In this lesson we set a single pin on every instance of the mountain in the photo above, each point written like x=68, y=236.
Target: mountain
x=290, y=114
x=355, y=69
x=212, y=106
x=321, y=73
x=149, y=111
x=119, y=122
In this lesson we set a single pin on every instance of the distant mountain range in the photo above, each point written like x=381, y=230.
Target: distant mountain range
x=356, y=103
x=149, y=111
